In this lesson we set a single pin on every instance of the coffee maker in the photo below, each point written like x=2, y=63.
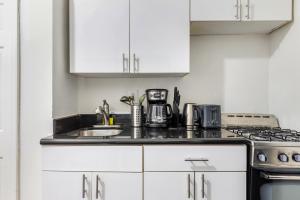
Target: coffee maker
x=158, y=111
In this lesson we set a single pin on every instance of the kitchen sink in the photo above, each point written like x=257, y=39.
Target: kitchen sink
x=101, y=131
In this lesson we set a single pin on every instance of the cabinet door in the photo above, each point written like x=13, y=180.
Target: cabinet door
x=66, y=185
x=168, y=185
x=159, y=36
x=116, y=186
x=215, y=10
x=267, y=10
x=99, y=36
x=220, y=186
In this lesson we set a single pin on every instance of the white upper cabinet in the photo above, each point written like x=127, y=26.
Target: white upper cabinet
x=215, y=10
x=122, y=37
x=239, y=16
x=267, y=10
x=241, y=10
x=99, y=36
x=159, y=36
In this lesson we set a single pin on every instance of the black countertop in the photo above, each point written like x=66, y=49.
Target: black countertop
x=139, y=136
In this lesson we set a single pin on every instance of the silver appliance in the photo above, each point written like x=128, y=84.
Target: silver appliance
x=190, y=116
x=274, y=156
x=158, y=111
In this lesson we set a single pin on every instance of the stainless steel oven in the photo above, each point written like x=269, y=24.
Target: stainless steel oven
x=267, y=185
x=274, y=172
x=274, y=156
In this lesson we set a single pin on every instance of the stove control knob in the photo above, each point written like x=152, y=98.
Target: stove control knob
x=296, y=157
x=262, y=157
x=283, y=157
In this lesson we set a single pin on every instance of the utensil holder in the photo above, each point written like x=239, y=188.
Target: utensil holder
x=137, y=112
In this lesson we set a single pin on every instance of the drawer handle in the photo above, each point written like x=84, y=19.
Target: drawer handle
x=203, y=186
x=97, y=186
x=189, y=186
x=196, y=160
x=84, y=190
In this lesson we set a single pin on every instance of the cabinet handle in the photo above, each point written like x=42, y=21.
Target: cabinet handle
x=135, y=62
x=237, y=6
x=125, y=63
x=196, y=160
x=97, y=186
x=123, y=56
x=84, y=190
x=189, y=186
x=138, y=64
x=248, y=10
x=203, y=183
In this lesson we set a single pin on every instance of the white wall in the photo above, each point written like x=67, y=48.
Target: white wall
x=65, y=86
x=36, y=91
x=227, y=70
x=284, y=73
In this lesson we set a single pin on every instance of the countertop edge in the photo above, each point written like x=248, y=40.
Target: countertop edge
x=51, y=141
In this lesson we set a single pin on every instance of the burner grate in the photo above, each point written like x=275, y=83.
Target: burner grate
x=266, y=134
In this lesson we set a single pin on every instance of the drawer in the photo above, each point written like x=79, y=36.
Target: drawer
x=195, y=158
x=92, y=158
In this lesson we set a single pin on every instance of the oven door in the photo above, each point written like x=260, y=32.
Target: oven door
x=276, y=186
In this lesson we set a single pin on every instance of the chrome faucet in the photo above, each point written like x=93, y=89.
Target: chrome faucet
x=104, y=110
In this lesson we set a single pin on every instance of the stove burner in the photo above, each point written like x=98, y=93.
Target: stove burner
x=266, y=134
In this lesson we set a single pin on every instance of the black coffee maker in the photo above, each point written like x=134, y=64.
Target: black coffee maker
x=158, y=111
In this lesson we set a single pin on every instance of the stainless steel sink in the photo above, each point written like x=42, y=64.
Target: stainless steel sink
x=116, y=126
x=101, y=131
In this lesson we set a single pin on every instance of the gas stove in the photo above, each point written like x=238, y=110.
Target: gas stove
x=272, y=147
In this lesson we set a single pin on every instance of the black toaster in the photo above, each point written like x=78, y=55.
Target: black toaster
x=210, y=116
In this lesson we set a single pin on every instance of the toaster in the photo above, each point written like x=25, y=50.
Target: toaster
x=210, y=116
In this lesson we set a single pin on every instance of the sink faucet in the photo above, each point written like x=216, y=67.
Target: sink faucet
x=104, y=110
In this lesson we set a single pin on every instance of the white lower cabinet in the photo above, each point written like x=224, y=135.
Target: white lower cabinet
x=195, y=172
x=152, y=172
x=195, y=185
x=117, y=186
x=67, y=185
x=220, y=186
x=91, y=186
x=168, y=185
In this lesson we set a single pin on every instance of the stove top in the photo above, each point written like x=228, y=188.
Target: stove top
x=273, y=148
x=266, y=134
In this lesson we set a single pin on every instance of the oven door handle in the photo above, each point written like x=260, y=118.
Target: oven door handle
x=283, y=177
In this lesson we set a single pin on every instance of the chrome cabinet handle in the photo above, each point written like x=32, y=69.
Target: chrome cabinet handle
x=134, y=68
x=84, y=190
x=237, y=6
x=189, y=186
x=97, y=186
x=203, y=182
x=123, y=56
x=248, y=9
x=196, y=160
x=136, y=63
x=125, y=63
